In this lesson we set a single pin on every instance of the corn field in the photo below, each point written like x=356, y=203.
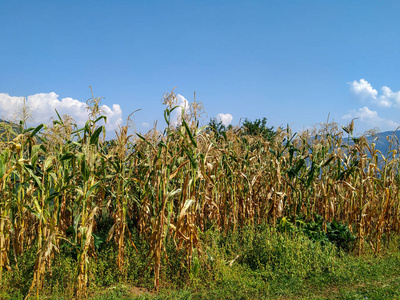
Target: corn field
x=56, y=180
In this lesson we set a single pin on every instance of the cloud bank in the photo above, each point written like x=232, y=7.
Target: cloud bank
x=364, y=90
x=370, y=117
x=385, y=101
x=42, y=107
x=226, y=119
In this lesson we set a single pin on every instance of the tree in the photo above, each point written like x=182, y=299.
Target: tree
x=216, y=126
x=258, y=128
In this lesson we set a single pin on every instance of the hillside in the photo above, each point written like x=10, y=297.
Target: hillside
x=385, y=140
x=5, y=126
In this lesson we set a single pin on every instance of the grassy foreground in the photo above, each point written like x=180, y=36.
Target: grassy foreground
x=256, y=263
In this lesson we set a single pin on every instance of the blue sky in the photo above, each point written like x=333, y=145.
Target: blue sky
x=293, y=62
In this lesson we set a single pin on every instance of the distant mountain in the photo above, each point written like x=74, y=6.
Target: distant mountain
x=384, y=141
x=4, y=124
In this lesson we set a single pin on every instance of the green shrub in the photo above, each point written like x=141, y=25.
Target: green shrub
x=336, y=233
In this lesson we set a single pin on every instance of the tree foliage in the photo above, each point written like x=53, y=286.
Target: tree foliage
x=259, y=128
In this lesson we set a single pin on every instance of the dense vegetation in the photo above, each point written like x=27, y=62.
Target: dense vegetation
x=186, y=203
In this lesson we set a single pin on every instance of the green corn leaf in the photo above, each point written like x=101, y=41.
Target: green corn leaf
x=2, y=168
x=66, y=156
x=34, y=177
x=99, y=118
x=36, y=213
x=85, y=171
x=190, y=155
x=328, y=161
x=91, y=189
x=94, y=139
x=59, y=117
x=189, y=133
x=199, y=130
x=37, y=130
x=167, y=116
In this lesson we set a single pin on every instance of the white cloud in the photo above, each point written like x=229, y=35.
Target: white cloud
x=388, y=97
x=226, y=119
x=114, y=116
x=371, y=118
x=364, y=90
x=176, y=116
x=146, y=125
x=42, y=107
x=9, y=105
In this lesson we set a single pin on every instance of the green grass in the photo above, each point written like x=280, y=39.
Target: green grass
x=255, y=263
x=365, y=279
x=375, y=278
